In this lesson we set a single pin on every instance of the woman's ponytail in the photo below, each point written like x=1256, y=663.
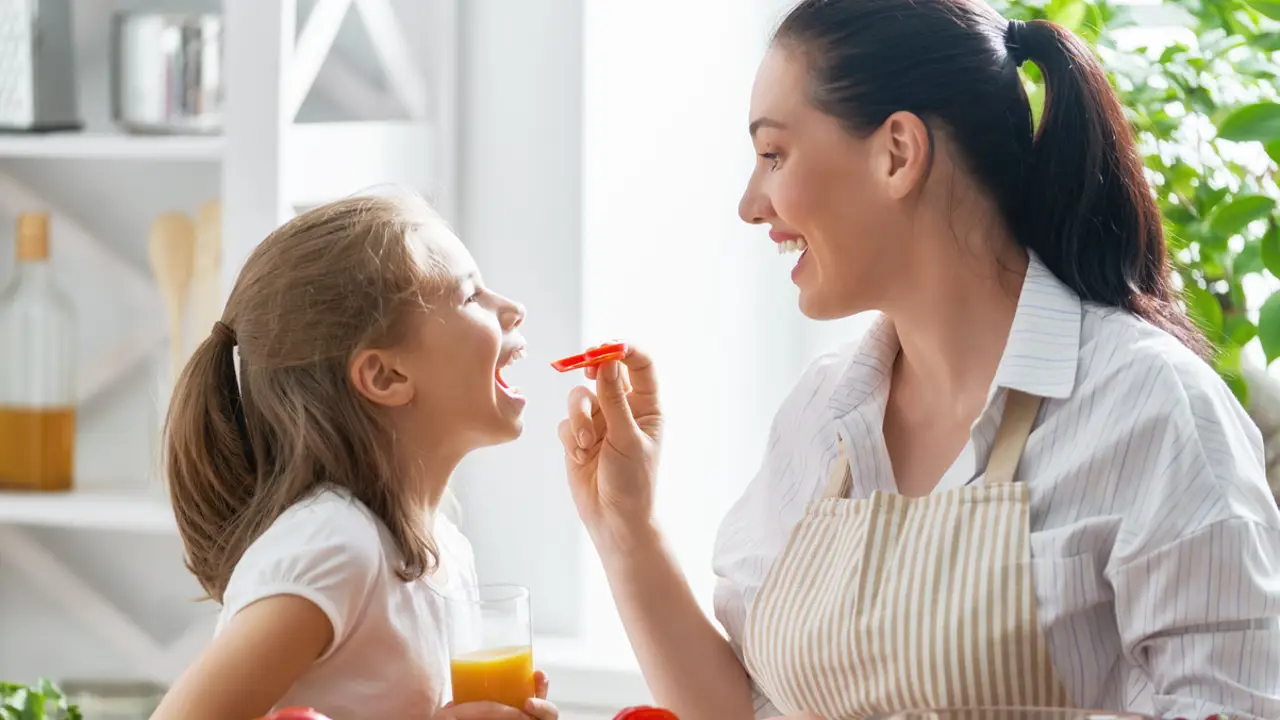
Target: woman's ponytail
x=1088, y=211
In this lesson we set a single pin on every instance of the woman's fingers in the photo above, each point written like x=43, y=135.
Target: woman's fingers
x=583, y=406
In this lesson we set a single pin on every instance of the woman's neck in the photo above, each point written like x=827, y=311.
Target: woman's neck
x=954, y=321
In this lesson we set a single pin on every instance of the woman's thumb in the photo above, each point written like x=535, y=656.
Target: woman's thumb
x=613, y=398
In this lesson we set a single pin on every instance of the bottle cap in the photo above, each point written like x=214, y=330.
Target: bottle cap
x=33, y=236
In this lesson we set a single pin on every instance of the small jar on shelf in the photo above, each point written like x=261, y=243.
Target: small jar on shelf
x=37, y=369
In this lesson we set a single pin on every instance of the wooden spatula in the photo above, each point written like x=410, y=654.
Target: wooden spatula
x=206, y=283
x=171, y=248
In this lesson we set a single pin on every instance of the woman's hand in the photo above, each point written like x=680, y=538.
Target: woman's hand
x=611, y=444
x=538, y=707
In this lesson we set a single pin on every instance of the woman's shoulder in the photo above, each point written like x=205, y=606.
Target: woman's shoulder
x=1126, y=357
x=1163, y=418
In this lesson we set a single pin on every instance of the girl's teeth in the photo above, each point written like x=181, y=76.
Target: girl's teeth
x=789, y=246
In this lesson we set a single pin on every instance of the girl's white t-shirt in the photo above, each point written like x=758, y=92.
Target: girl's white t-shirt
x=389, y=657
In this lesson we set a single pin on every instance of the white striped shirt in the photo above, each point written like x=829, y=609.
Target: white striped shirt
x=1155, y=541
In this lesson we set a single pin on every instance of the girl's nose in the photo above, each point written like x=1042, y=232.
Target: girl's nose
x=512, y=315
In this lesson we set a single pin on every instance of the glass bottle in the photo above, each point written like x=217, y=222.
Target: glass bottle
x=37, y=369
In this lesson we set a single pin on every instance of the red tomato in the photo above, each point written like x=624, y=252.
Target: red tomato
x=645, y=712
x=295, y=713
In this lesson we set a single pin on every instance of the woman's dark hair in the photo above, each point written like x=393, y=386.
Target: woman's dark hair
x=1073, y=191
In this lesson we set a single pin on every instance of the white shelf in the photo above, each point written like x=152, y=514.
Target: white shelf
x=111, y=146
x=89, y=510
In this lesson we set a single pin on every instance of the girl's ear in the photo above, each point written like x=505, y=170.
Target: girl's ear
x=375, y=374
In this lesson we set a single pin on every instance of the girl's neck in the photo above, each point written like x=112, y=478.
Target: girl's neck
x=429, y=472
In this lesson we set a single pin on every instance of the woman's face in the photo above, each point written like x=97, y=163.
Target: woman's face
x=820, y=189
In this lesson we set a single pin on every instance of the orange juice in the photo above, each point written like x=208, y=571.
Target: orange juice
x=503, y=675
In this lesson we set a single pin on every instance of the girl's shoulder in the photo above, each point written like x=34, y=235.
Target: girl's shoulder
x=328, y=517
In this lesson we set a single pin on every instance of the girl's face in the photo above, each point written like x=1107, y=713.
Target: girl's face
x=446, y=377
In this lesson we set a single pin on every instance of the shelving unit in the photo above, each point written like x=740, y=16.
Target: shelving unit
x=88, y=510
x=269, y=164
x=111, y=146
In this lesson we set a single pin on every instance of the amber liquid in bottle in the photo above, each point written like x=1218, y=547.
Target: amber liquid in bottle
x=37, y=370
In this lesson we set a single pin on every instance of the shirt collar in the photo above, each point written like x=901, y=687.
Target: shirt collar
x=1043, y=349
x=1039, y=358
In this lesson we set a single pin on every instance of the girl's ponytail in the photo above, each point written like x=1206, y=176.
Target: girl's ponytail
x=208, y=457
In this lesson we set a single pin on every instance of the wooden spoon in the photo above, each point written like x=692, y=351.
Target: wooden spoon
x=171, y=248
x=206, y=283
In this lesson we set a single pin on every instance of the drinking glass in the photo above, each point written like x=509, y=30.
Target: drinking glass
x=491, y=645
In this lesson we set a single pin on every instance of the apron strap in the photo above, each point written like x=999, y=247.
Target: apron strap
x=841, y=479
x=1020, y=410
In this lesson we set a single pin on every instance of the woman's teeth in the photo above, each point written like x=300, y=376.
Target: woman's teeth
x=794, y=245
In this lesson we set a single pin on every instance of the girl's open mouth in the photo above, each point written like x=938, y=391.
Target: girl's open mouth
x=511, y=356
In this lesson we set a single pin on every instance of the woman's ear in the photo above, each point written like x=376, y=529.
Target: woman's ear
x=904, y=149
x=376, y=376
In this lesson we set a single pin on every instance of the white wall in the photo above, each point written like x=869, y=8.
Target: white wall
x=521, y=167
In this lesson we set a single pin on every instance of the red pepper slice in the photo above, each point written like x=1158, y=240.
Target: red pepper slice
x=645, y=712
x=592, y=357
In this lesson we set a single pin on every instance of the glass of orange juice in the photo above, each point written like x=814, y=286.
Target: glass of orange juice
x=491, y=645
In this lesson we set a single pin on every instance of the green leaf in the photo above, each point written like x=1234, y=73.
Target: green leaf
x=1205, y=309
x=1270, y=8
x=1270, y=247
x=1235, y=216
x=1259, y=122
x=1239, y=330
x=1249, y=260
x=1068, y=13
x=1228, y=360
x=1269, y=327
x=1238, y=387
x=1273, y=149
x=1266, y=42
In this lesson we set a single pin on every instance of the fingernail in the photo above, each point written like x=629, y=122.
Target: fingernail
x=611, y=371
x=584, y=439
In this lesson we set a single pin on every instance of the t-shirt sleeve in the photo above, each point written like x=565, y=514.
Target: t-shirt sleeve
x=326, y=552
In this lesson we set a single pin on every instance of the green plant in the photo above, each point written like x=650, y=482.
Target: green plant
x=42, y=701
x=1203, y=104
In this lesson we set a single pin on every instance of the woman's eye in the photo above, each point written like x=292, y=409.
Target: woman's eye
x=473, y=298
x=772, y=157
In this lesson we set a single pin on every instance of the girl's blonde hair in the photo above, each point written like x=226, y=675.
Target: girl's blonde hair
x=330, y=282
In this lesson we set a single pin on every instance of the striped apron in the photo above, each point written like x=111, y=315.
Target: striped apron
x=894, y=603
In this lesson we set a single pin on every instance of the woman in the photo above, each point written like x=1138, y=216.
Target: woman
x=1024, y=486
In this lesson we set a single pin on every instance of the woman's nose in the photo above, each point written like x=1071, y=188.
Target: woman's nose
x=754, y=208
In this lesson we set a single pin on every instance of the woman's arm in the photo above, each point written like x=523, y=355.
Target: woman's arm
x=689, y=667
x=611, y=443
x=249, y=667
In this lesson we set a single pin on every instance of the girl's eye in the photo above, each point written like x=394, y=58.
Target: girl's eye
x=772, y=157
x=474, y=297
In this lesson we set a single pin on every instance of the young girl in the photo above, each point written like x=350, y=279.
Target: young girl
x=307, y=485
